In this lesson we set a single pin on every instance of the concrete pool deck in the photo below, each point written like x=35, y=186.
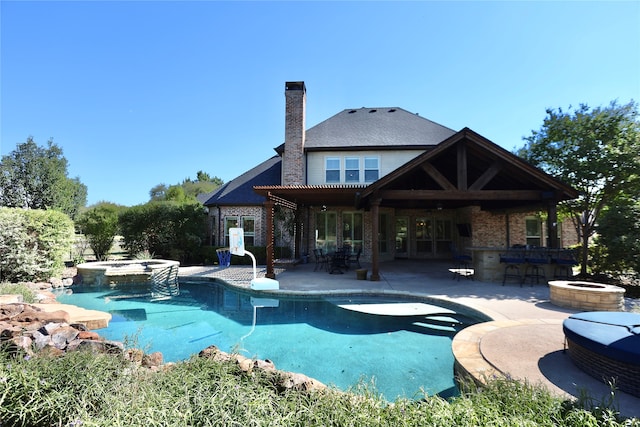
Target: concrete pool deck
x=524, y=340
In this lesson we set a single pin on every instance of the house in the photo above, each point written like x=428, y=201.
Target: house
x=393, y=184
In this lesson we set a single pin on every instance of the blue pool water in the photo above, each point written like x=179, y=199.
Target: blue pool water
x=337, y=341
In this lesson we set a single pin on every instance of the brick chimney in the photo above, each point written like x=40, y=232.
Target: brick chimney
x=293, y=164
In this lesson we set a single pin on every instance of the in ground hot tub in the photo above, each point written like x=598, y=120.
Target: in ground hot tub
x=586, y=295
x=606, y=345
x=160, y=274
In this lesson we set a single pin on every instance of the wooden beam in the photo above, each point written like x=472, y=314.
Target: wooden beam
x=440, y=179
x=375, y=225
x=461, y=195
x=462, y=166
x=269, y=205
x=486, y=176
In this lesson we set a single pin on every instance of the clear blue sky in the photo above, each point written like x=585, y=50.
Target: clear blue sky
x=143, y=93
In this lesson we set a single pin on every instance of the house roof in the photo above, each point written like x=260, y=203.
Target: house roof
x=384, y=128
x=239, y=191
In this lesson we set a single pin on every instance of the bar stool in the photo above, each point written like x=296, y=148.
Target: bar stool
x=564, y=260
x=513, y=259
x=536, y=258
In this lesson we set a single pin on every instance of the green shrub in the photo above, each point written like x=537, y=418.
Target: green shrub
x=33, y=244
x=18, y=289
x=167, y=229
x=82, y=389
x=100, y=226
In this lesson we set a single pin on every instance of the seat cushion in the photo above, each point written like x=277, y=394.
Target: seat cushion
x=615, y=335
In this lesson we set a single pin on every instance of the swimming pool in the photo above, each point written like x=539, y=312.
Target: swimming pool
x=402, y=346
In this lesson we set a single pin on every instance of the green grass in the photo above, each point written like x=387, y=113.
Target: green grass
x=19, y=289
x=83, y=389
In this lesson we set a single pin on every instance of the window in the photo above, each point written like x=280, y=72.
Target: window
x=371, y=169
x=326, y=231
x=249, y=226
x=332, y=169
x=351, y=169
x=383, y=233
x=352, y=229
x=443, y=236
x=247, y=223
x=424, y=235
x=356, y=169
x=533, y=230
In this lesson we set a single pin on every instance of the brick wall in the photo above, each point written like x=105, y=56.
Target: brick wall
x=293, y=165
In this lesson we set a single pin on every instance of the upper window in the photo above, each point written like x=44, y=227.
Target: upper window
x=352, y=169
x=371, y=169
x=332, y=170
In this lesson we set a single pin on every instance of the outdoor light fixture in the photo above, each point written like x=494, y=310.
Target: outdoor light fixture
x=439, y=206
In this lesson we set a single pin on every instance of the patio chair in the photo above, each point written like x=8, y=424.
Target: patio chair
x=321, y=260
x=355, y=259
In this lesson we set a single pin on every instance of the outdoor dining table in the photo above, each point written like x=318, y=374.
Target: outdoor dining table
x=337, y=261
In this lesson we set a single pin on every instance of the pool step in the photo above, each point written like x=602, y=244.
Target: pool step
x=439, y=323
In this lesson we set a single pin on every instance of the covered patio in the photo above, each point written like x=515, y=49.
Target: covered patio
x=466, y=176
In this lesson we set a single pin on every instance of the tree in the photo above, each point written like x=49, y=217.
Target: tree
x=100, y=226
x=596, y=152
x=618, y=230
x=158, y=192
x=187, y=191
x=33, y=177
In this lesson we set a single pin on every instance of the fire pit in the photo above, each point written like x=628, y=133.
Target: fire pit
x=586, y=295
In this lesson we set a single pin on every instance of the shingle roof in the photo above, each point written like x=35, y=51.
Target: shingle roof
x=239, y=191
x=360, y=128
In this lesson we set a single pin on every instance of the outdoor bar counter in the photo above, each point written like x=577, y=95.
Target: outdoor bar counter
x=487, y=266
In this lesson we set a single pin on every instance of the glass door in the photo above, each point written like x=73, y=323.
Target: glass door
x=402, y=237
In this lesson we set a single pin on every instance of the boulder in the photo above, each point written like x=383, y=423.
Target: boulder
x=153, y=359
x=300, y=382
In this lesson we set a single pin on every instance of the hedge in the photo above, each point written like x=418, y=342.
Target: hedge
x=33, y=243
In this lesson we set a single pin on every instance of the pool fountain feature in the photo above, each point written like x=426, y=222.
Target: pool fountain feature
x=586, y=295
x=161, y=274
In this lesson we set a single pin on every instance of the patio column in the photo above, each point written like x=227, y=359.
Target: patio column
x=297, y=239
x=375, y=227
x=269, y=205
x=552, y=224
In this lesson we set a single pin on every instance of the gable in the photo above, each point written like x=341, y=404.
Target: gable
x=467, y=169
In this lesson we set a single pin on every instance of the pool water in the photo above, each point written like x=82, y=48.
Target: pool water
x=340, y=342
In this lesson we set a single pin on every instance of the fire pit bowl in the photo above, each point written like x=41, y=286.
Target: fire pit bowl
x=586, y=295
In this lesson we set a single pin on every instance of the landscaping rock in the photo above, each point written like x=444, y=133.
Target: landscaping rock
x=153, y=359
